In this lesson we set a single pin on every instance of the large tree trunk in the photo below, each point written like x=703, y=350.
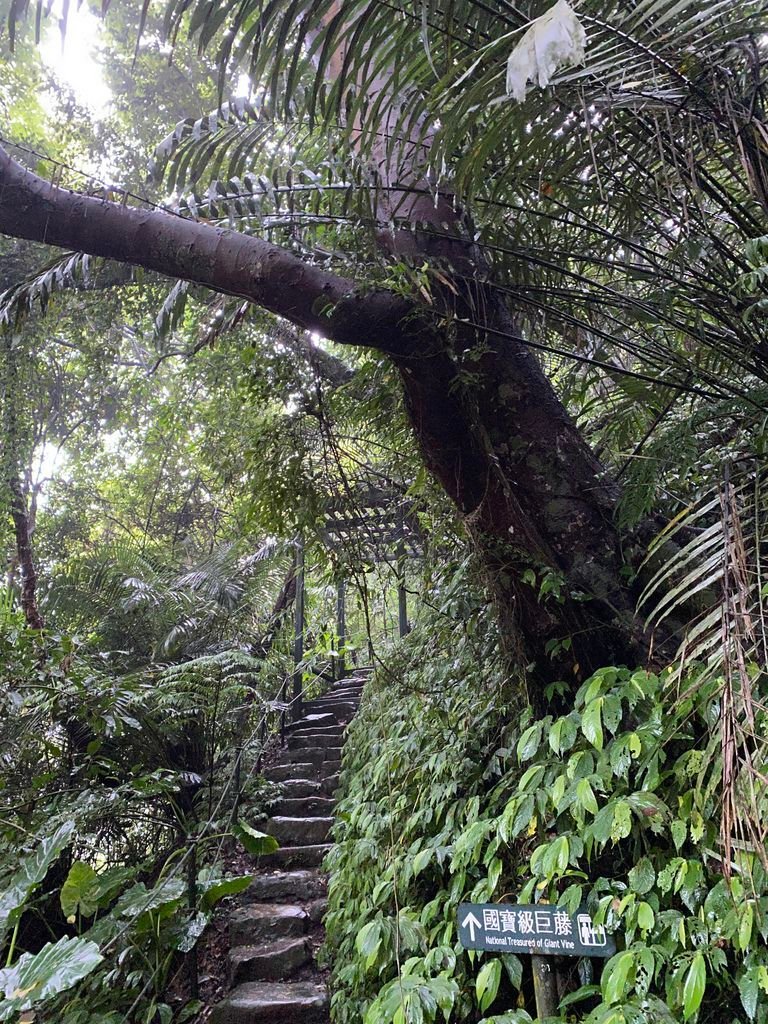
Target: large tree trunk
x=490, y=426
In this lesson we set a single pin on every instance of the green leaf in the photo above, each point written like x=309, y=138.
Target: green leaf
x=585, y=992
x=32, y=870
x=745, y=926
x=258, y=844
x=189, y=1011
x=80, y=891
x=621, y=824
x=512, y=1017
x=694, y=986
x=487, y=983
x=529, y=742
x=514, y=968
x=749, y=990
x=215, y=889
x=590, y=722
x=645, y=916
x=614, y=980
x=642, y=876
x=56, y=968
x=138, y=899
x=191, y=931
x=601, y=826
x=679, y=830
x=421, y=860
x=586, y=796
x=562, y=734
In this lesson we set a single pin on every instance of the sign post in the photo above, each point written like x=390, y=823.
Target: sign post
x=540, y=930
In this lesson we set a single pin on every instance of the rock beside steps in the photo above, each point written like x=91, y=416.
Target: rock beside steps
x=274, y=935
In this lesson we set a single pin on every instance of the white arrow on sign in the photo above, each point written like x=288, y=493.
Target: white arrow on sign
x=471, y=922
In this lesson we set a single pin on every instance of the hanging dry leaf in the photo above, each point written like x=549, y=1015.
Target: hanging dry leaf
x=555, y=40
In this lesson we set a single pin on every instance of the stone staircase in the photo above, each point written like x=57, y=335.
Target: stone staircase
x=274, y=936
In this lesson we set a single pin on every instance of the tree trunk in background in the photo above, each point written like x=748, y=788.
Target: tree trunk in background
x=23, y=533
x=18, y=505
x=489, y=423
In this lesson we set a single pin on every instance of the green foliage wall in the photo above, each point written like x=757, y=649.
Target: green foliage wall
x=451, y=794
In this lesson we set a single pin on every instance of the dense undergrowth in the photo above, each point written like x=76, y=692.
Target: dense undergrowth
x=451, y=794
x=117, y=824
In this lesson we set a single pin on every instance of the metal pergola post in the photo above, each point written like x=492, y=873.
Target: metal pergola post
x=298, y=641
x=341, y=627
x=402, y=596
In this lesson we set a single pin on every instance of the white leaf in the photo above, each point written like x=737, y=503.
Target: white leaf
x=555, y=40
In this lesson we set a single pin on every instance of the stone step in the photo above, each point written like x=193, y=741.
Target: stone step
x=273, y=1003
x=294, y=789
x=303, y=771
x=330, y=784
x=293, y=886
x=305, y=807
x=273, y=961
x=342, y=711
x=325, y=705
x=327, y=737
x=297, y=856
x=258, y=922
x=312, y=721
x=347, y=693
x=317, y=909
x=312, y=755
x=310, y=707
x=299, y=831
x=289, y=771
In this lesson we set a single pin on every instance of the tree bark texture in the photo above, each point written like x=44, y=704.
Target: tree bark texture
x=20, y=512
x=489, y=423
x=24, y=553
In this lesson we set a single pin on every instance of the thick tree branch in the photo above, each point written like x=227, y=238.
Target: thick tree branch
x=226, y=261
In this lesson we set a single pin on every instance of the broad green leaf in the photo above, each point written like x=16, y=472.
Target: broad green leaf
x=591, y=724
x=645, y=916
x=601, y=826
x=679, y=831
x=621, y=824
x=80, y=891
x=487, y=983
x=421, y=860
x=138, y=899
x=642, y=876
x=191, y=931
x=368, y=942
x=614, y=980
x=514, y=968
x=745, y=926
x=215, y=889
x=258, y=844
x=31, y=872
x=749, y=990
x=56, y=968
x=513, y=1017
x=694, y=986
x=586, y=796
x=529, y=742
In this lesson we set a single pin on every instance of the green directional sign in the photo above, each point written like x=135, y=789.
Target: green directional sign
x=540, y=928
